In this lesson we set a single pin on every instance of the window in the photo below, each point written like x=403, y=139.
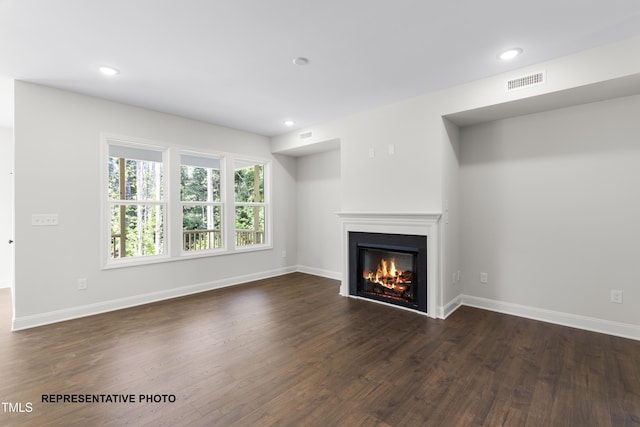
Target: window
x=201, y=203
x=136, y=202
x=250, y=206
x=164, y=203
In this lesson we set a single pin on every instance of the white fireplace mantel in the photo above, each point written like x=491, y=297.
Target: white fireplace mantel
x=413, y=223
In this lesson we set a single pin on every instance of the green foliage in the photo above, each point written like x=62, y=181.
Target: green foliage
x=143, y=223
x=249, y=188
x=198, y=184
x=244, y=184
x=250, y=218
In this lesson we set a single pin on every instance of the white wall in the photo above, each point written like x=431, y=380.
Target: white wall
x=407, y=181
x=451, y=263
x=6, y=205
x=423, y=175
x=551, y=206
x=57, y=136
x=319, y=195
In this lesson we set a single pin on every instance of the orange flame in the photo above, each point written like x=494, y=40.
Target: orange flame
x=389, y=276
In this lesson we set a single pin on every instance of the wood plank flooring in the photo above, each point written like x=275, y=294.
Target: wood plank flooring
x=289, y=351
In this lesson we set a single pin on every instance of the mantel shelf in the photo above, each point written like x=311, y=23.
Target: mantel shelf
x=414, y=215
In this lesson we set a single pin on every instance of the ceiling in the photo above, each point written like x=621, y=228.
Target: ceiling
x=229, y=62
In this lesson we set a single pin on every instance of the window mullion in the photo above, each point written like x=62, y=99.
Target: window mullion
x=228, y=195
x=123, y=208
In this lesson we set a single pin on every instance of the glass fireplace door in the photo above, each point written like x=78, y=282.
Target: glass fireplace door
x=387, y=274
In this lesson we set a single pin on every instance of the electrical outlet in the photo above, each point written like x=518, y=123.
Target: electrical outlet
x=484, y=278
x=458, y=276
x=616, y=296
x=284, y=254
x=82, y=284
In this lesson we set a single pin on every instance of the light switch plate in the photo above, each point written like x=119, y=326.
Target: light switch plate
x=44, y=220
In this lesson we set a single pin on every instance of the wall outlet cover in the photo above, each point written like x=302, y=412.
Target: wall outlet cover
x=616, y=296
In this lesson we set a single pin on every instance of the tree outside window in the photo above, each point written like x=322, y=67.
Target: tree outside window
x=136, y=196
x=250, y=206
x=201, y=203
x=164, y=202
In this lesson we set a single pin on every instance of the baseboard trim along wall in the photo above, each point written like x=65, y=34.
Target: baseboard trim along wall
x=5, y=284
x=448, y=309
x=42, y=319
x=623, y=330
x=336, y=275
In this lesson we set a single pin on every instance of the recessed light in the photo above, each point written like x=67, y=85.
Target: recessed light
x=109, y=71
x=289, y=123
x=300, y=61
x=510, y=53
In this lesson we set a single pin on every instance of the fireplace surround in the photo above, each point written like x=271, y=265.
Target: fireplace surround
x=412, y=224
x=391, y=268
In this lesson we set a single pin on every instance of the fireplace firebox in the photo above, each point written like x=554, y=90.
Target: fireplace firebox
x=391, y=268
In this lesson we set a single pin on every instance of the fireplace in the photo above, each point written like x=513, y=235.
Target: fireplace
x=390, y=268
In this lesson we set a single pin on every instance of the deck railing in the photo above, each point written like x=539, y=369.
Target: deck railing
x=115, y=245
x=197, y=240
x=249, y=237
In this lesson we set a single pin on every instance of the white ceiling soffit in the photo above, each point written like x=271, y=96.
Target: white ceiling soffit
x=231, y=62
x=623, y=86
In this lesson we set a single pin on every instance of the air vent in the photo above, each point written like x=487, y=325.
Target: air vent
x=526, y=81
x=306, y=135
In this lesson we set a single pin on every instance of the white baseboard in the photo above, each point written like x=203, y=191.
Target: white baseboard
x=5, y=284
x=447, y=310
x=336, y=275
x=624, y=330
x=581, y=322
x=41, y=319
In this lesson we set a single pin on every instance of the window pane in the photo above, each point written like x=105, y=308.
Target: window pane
x=249, y=225
x=143, y=227
x=199, y=184
x=142, y=179
x=249, y=184
x=201, y=227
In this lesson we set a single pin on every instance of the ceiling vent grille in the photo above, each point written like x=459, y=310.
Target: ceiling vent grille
x=306, y=135
x=534, y=79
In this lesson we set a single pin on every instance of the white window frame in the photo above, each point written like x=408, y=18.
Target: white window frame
x=106, y=141
x=221, y=204
x=172, y=203
x=266, y=164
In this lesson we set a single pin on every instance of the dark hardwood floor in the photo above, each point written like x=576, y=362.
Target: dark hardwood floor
x=290, y=351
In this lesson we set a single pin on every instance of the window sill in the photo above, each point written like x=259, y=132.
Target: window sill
x=252, y=248
x=134, y=262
